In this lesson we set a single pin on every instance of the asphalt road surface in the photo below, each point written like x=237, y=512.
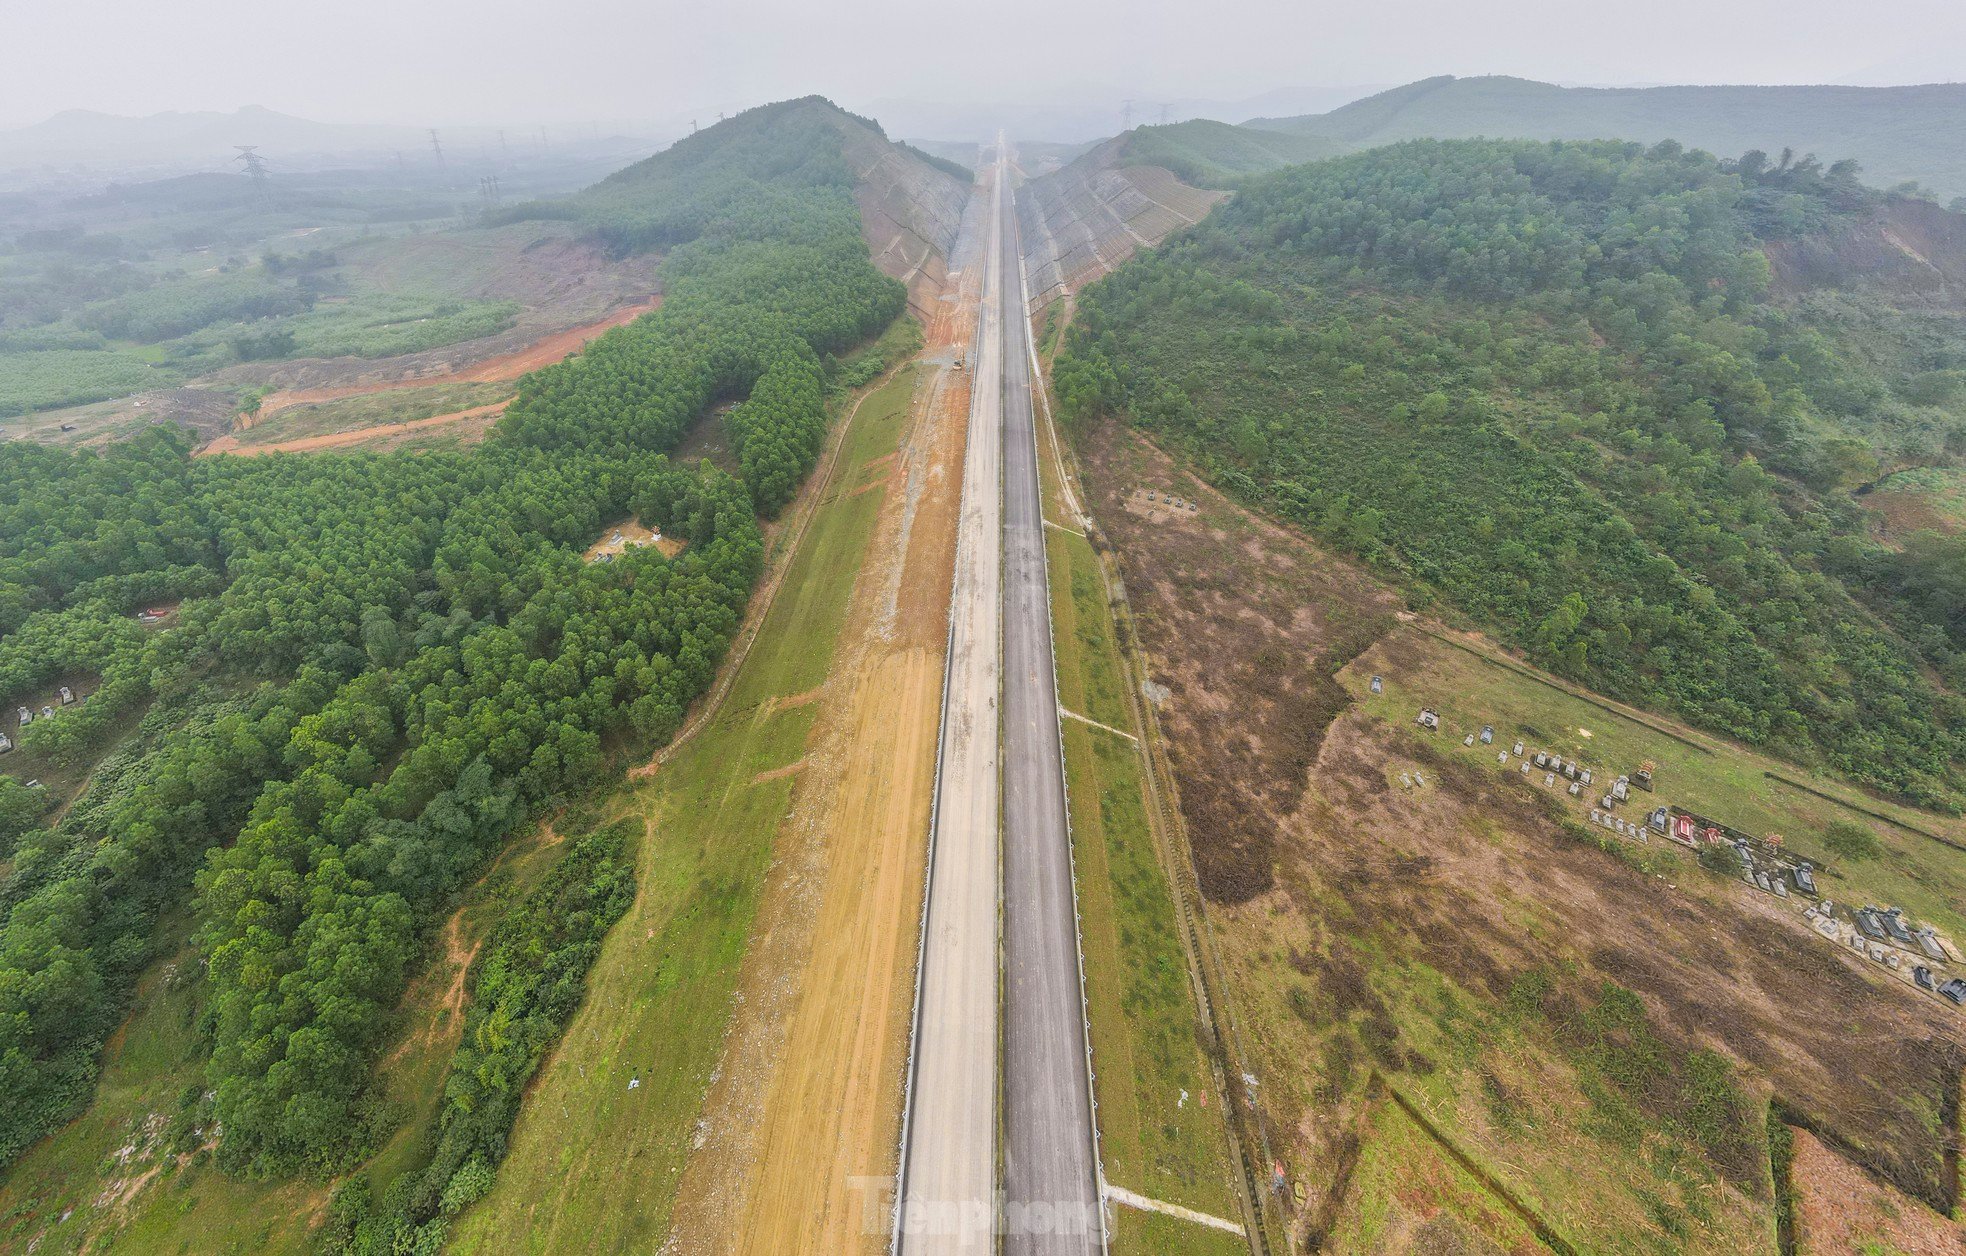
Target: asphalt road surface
x=1050, y=1169
x=1000, y=813
x=948, y=1150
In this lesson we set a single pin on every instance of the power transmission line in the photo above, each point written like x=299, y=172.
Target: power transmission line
x=436, y=146
x=1126, y=116
x=255, y=167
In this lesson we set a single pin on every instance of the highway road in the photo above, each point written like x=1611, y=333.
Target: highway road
x=947, y=1190
x=1000, y=864
x=1050, y=1165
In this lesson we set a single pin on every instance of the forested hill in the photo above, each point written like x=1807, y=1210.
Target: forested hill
x=1547, y=386
x=1896, y=133
x=909, y=204
x=375, y=669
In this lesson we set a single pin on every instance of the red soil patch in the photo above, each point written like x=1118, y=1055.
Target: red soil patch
x=355, y=436
x=1840, y=1208
x=542, y=352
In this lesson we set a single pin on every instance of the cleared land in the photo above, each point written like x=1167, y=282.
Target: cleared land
x=1928, y=498
x=804, y=1115
x=1595, y=1030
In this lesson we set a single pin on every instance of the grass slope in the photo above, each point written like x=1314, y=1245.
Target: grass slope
x=594, y=1164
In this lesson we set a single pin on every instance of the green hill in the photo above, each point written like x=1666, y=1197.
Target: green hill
x=1554, y=387
x=1895, y=133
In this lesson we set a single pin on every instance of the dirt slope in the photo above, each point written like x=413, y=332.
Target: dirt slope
x=1080, y=221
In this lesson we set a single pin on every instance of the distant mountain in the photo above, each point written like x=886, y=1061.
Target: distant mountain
x=1895, y=133
x=1209, y=154
x=83, y=137
x=1090, y=113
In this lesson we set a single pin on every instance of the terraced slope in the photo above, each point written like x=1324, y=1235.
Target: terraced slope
x=1081, y=221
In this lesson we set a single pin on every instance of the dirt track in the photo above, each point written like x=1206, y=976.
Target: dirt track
x=808, y=1091
x=542, y=352
x=355, y=436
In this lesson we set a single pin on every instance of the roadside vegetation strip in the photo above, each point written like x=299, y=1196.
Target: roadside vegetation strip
x=594, y=1164
x=1097, y=672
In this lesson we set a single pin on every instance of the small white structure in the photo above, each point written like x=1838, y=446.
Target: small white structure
x=1378, y=684
x=6, y=743
x=67, y=696
x=26, y=717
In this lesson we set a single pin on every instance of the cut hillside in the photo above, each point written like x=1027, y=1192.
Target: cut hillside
x=1081, y=219
x=1896, y=133
x=910, y=203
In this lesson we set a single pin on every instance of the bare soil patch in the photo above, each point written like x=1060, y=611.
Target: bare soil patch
x=1307, y=822
x=510, y=364
x=1840, y=1208
x=378, y=437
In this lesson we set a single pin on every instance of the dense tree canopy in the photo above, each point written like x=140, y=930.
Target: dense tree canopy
x=383, y=664
x=1546, y=383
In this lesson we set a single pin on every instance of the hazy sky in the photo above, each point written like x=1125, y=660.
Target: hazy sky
x=501, y=61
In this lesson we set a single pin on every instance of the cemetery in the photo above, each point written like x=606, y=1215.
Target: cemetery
x=1886, y=936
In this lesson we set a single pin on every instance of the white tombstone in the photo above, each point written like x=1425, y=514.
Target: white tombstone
x=1502, y=758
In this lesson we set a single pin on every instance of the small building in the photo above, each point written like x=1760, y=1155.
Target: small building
x=1927, y=942
x=1893, y=921
x=1923, y=976
x=1954, y=990
x=67, y=696
x=1867, y=921
x=1805, y=879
